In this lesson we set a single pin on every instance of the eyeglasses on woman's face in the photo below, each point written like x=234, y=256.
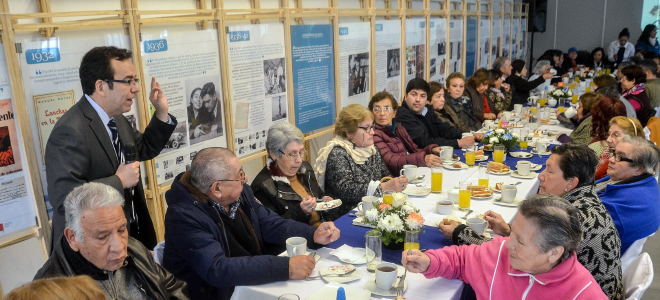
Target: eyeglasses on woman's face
x=368, y=128
x=294, y=155
x=618, y=157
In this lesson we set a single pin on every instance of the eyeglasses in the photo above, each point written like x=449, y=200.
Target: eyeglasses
x=294, y=156
x=131, y=82
x=242, y=180
x=379, y=109
x=619, y=157
x=368, y=128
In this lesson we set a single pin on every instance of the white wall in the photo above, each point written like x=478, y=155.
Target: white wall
x=580, y=24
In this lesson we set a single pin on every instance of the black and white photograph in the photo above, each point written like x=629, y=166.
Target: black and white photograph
x=192, y=155
x=451, y=50
x=432, y=62
x=458, y=51
x=263, y=133
x=239, y=141
x=169, y=175
x=275, y=76
x=179, y=160
x=253, y=146
x=358, y=73
x=241, y=150
x=131, y=120
x=204, y=101
x=177, y=139
x=166, y=164
x=441, y=47
x=393, y=62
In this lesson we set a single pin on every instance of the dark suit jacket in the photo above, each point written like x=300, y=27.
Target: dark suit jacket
x=79, y=150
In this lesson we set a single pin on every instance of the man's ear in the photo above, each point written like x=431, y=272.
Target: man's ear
x=101, y=88
x=215, y=192
x=72, y=239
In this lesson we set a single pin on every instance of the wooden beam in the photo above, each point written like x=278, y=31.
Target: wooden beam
x=44, y=6
x=201, y=5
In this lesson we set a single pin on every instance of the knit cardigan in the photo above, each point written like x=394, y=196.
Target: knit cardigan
x=398, y=149
x=581, y=134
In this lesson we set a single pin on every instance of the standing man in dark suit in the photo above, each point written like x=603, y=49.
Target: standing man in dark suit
x=93, y=141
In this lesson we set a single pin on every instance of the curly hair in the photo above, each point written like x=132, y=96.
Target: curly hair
x=454, y=75
x=349, y=118
x=478, y=78
x=588, y=101
x=382, y=96
x=601, y=114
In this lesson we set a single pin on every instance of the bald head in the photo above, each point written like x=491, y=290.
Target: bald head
x=209, y=165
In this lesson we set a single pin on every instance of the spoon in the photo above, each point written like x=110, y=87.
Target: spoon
x=517, y=183
x=465, y=217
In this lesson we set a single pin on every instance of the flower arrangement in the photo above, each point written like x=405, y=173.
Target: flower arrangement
x=393, y=220
x=588, y=74
x=561, y=93
x=504, y=137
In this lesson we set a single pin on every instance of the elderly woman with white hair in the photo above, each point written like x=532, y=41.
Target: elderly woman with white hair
x=542, y=67
x=630, y=192
x=287, y=184
x=537, y=261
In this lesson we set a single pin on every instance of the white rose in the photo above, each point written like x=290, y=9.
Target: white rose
x=569, y=93
x=372, y=214
x=399, y=199
x=499, y=131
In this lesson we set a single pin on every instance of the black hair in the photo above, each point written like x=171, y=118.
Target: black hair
x=649, y=65
x=208, y=89
x=646, y=33
x=625, y=33
x=518, y=65
x=97, y=65
x=418, y=84
x=577, y=160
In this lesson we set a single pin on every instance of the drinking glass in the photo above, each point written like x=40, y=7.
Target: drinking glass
x=561, y=104
x=483, y=174
x=289, y=297
x=498, y=154
x=464, y=195
x=470, y=155
x=388, y=196
x=436, y=178
x=412, y=240
x=542, y=101
x=587, y=90
x=574, y=100
x=523, y=139
x=373, y=245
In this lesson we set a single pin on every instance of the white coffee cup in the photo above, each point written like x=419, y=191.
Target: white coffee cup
x=553, y=71
x=507, y=115
x=296, y=246
x=447, y=152
x=570, y=112
x=532, y=99
x=477, y=224
x=552, y=102
x=444, y=207
x=385, y=279
x=453, y=195
x=410, y=171
x=565, y=80
x=517, y=108
x=583, y=84
x=488, y=124
x=509, y=192
x=541, y=146
x=523, y=168
x=367, y=203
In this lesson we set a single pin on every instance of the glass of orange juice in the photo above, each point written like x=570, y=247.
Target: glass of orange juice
x=388, y=197
x=574, y=100
x=542, y=102
x=436, y=178
x=498, y=154
x=464, y=195
x=412, y=240
x=483, y=174
x=470, y=155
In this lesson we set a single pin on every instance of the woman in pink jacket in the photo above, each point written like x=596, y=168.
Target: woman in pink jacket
x=537, y=261
x=393, y=141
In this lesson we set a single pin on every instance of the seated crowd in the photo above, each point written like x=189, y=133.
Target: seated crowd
x=598, y=193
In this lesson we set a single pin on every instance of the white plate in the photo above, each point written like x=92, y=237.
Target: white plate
x=359, y=261
x=489, y=172
x=515, y=203
x=329, y=277
x=451, y=167
x=316, y=256
x=329, y=292
x=358, y=222
x=319, y=206
x=536, y=167
x=520, y=154
x=481, y=198
x=542, y=153
x=531, y=175
x=373, y=288
x=416, y=191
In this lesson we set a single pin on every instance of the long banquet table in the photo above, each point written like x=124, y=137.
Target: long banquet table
x=431, y=238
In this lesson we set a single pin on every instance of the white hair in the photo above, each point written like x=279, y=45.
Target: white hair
x=210, y=165
x=539, y=68
x=280, y=134
x=87, y=197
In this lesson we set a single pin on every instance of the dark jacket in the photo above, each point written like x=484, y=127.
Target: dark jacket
x=522, y=88
x=196, y=249
x=156, y=281
x=398, y=149
x=466, y=117
x=646, y=46
x=645, y=112
x=478, y=103
x=448, y=115
x=427, y=129
x=274, y=190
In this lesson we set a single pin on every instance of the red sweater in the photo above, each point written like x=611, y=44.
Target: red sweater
x=395, y=148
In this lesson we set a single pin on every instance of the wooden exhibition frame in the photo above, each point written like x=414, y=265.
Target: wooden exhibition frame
x=130, y=17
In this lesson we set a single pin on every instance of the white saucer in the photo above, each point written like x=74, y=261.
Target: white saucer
x=373, y=288
x=327, y=276
x=481, y=198
x=516, y=202
x=415, y=191
x=542, y=153
x=531, y=175
x=319, y=206
x=536, y=167
x=451, y=167
x=494, y=173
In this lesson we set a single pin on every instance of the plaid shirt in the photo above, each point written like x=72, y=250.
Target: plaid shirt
x=233, y=208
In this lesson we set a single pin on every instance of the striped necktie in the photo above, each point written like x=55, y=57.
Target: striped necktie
x=115, y=140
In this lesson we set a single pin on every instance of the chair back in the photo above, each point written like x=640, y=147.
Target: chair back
x=652, y=130
x=631, y=253
x=638, y=276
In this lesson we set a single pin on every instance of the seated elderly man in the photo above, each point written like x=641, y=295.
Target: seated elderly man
x=216, y=231
x=630, y=192
x=536, y=262
x=96, y=243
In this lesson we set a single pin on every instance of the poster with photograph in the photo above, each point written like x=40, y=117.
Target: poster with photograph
x=10, y=156
x=438, y=49
x=455, y=45
x=258, y=79
x=415, y=49
x=48, y=109
x=523, y=39
x=312, y=50
x=354, y=47
x=388, y=57
x=471, y=46
x=496, y=34
x=514, y=38
x=187, y=66
x=484, y=43
x=506, y=37
x=50, y=66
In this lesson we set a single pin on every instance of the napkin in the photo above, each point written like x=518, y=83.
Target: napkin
x=348, y=253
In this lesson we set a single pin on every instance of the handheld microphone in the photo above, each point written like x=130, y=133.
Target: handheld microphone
x=130, y=154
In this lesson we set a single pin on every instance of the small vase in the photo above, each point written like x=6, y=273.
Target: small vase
x=394, y=246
